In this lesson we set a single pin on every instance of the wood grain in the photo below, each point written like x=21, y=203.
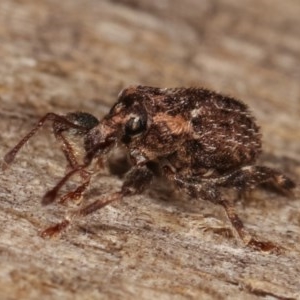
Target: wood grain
x=63, y=56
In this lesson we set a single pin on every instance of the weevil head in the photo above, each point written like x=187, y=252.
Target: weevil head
x=126, y=120
x=147, y=120
x=129, y=115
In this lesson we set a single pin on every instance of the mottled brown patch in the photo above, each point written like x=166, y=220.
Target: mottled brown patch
x=176, y=124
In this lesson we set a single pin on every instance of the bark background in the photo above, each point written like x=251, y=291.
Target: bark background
x=63, y=56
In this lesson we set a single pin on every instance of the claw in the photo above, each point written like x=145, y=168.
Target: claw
x=265, y=246
x=75, y=195
x=49, y=197
x=55, y=230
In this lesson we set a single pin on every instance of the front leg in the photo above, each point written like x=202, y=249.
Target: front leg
x=80, y=123
x=136, y=182
x=209, y=191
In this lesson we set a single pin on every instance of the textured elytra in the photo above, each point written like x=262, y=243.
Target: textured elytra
x=196, y=130
x=201, y=141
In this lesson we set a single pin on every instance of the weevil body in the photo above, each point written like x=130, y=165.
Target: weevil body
x=200, y=140
x=195, y=131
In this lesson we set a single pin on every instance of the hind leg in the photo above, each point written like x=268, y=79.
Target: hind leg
x=249, y=177
x=208, y=189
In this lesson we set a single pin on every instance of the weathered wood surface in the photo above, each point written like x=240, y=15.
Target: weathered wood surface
x=71, y=55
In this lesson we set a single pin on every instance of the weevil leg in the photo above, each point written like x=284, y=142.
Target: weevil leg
x=70, y=154
x=76, y=195
x=209, y=191
x=250, y=177
x=86, y=122
x=135, y=183
x=247, y=178
x=88, y=209
x=79, y=122
x=50, y=196
x=246, y=237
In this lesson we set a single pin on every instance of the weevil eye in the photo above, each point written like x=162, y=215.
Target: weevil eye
x=135, y=125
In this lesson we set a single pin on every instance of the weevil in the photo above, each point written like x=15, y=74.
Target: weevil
x=201, y=141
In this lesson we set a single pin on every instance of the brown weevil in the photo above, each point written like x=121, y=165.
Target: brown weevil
x=201, y=141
